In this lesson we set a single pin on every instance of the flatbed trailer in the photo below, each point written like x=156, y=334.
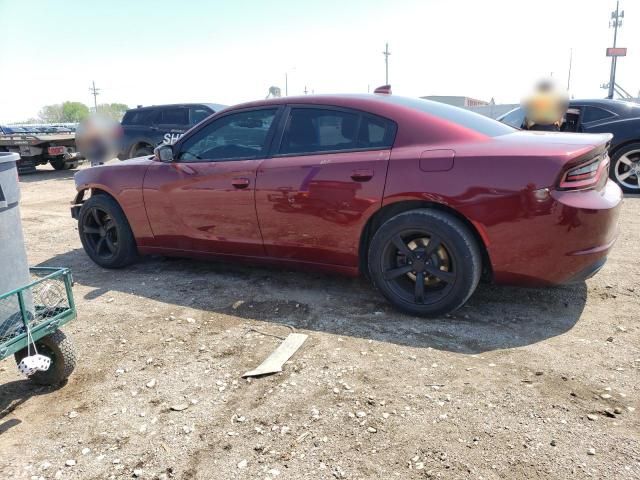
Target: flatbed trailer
x=58, y=149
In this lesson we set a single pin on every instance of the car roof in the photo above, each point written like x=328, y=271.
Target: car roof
x=214, y=106
x=619, y=107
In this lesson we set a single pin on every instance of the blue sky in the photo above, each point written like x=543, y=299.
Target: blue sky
x=145, y=52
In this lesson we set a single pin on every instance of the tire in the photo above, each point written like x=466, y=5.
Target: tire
x=141, y=151
x=625, y=168
x=415, y=245
x=60, y=349
x=60, y=164
x=105, y=233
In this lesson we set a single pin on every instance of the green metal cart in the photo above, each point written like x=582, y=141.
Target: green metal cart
x=42, y=306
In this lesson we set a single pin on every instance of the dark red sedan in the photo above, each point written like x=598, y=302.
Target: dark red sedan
x=424, y=198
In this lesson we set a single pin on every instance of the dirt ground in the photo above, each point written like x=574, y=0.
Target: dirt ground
x=519, y=384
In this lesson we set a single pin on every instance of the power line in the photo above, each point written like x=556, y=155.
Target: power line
x=95, y=92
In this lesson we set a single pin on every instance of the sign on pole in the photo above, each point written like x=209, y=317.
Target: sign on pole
x=616, y=52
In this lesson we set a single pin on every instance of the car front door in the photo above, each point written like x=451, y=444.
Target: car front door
x=315, y=193
x=204, y=200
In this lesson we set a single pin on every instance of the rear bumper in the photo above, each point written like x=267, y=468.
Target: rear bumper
x=588, y=272
x=565, y=240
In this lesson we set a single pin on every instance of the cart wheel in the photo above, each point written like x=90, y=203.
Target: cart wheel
x=59, y=348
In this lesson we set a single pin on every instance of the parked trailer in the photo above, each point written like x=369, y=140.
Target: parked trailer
x=58, y=149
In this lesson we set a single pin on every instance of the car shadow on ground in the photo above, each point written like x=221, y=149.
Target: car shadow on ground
x=14, y=394
x=495, y=317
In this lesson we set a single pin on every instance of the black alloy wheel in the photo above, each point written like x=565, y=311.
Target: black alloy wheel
x=105, y=232
x=100, y=233
x=425, y=262
x=418, y=267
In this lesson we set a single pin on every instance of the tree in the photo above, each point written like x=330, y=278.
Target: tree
x=74, y=112
x=113, y=110
x=66, y=112
x=51, y=113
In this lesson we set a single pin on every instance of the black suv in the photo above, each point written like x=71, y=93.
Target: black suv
x=144, y=128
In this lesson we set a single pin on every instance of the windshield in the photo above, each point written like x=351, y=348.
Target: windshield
x=470, y=120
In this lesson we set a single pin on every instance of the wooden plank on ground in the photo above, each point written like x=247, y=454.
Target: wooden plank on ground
x=275, y=361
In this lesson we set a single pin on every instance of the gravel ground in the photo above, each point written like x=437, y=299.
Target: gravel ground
x=520, y=383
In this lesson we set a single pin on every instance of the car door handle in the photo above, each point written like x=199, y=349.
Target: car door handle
x=240, y=182
x=362, y=175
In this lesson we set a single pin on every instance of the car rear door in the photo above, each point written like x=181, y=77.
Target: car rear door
x=172, y=123
x=325, y=178
x=204, y=201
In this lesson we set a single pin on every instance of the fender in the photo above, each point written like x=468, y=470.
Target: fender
x=123, y=182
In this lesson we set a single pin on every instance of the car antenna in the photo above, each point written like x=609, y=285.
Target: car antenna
x=384, y=90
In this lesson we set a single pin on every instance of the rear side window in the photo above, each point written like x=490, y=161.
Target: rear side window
x=316, y=130
x=592, y=114
x=198, y=114
x=376, y=132
x=174, y=116
x=144, y=117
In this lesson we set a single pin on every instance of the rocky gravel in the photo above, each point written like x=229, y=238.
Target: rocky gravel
x=519, y=384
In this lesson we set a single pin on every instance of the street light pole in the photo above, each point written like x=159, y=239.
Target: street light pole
x=616, y=21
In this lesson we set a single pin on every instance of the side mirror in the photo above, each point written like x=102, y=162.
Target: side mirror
x=164, y=153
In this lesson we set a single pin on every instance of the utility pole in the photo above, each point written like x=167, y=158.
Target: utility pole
x=569, y=75
x=286, y=84
x=386, y=54
x=615, y=22
x=95, y=92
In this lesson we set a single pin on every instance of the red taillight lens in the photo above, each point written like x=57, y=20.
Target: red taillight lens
x=585, y=175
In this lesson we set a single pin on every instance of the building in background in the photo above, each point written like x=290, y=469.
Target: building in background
x=457, y=101
x=488, y=109
x=494, y=110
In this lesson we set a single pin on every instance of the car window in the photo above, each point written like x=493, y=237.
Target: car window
x=514, y=118
x=376, y=132
x=174, y=116
x=139, y=117
x=235, y=136
x=591, y=114
x=198, y=114
x=314, y=130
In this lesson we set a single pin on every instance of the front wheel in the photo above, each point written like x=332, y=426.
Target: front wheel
x=59, y=348
x=425, y=262
x=105, y=232
x=625, y=168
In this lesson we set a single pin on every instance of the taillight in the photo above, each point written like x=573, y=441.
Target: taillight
x=586, y=174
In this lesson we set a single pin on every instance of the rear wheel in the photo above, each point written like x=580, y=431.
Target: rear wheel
x=425, y=262
x=105, y=232
x=625, y=168
x=59, y=348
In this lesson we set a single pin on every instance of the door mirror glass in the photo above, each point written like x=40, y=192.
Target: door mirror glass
x=164, y=153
